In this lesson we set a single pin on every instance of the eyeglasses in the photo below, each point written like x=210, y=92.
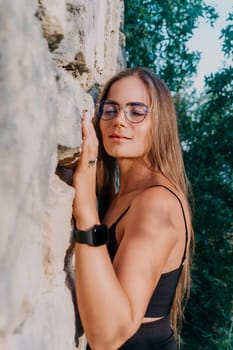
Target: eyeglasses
x=135, y=112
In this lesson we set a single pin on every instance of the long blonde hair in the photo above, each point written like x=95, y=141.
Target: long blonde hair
x=165, y=156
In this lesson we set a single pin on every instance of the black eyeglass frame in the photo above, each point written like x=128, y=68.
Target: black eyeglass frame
x=110, y=102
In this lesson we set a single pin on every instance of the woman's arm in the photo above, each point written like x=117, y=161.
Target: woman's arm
x=113, y=298
x=96, y=280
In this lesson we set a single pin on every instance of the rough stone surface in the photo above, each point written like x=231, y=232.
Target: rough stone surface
x=54, y=56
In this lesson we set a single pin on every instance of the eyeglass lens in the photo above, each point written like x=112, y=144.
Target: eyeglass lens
x=135, y=112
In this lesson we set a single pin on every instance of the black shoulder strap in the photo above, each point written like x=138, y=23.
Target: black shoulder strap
x=185, y=222
x=121, y=216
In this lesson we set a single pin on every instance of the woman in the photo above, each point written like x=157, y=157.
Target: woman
x=132, y=271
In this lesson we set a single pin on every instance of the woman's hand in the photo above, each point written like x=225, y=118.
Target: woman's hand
x=84, y=180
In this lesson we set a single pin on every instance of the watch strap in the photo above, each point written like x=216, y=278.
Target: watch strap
x=96, y=236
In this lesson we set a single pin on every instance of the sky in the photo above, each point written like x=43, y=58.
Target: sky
x=206, y=41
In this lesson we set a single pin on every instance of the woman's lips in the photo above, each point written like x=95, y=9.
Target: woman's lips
x=119, y=137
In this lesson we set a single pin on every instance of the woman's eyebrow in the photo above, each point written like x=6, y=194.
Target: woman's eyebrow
x=135, y=103
x=112, y=102
x=132, y=103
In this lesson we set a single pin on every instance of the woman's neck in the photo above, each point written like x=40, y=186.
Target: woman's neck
x=135, y=175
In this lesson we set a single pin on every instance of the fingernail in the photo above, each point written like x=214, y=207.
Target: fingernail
x=85, y=112
x=83, y=115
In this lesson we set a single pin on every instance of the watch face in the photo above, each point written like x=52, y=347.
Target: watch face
x=99, y=235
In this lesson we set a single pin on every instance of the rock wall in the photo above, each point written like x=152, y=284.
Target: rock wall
x=54, y=56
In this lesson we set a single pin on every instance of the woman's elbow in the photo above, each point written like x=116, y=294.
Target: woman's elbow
x=109, y=341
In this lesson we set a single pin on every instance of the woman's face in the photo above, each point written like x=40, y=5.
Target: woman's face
x=121, y=138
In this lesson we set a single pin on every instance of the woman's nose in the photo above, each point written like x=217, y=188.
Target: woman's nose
x=120, y=117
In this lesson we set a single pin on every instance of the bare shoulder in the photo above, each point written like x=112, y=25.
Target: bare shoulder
x=154, y=226
x=159, y=199
x=159, y=208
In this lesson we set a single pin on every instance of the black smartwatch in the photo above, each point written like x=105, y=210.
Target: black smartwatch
x=96, y=236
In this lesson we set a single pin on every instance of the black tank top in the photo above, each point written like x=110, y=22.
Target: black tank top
x=162, y=298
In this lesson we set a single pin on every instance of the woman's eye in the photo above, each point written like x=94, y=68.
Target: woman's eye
x=110, y=111
x=137, y=112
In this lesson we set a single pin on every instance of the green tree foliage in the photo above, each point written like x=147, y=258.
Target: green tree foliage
x=209, y=161
x=157, y=33
x=227, y=35
x=210, y=166
x=156, y=36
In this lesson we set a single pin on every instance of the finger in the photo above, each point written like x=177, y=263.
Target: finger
x=90, y=134
x=89, y=145
x=85, y=125
x=92, y=131
x=84, y=156
x=88, y=123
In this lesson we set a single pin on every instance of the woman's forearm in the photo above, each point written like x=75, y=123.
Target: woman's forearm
x=104, y=307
